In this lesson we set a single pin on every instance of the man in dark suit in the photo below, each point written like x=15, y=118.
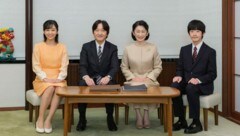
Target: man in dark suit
x=98, y=66
x=195, y=73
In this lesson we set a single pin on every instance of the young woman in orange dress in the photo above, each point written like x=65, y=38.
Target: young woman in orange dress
x=50, y=62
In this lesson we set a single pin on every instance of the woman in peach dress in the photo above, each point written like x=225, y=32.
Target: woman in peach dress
x=50, y=63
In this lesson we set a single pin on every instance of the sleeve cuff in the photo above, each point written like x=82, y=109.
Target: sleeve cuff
x=130, y=77
x=109, y=77
x=60, y=77
x=84, y=77
x=199, y=81
x=42, y=75
x=150, y=76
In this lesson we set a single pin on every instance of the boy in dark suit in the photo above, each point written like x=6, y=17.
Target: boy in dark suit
x=98, y=66
x=195, y=73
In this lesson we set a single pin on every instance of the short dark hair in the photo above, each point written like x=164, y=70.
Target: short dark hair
x=196, y=25
x=47, y=25
x=140, y=23
x=104, y=23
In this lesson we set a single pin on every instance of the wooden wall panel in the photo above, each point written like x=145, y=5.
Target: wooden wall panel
x=165, y=78
x=73, y=74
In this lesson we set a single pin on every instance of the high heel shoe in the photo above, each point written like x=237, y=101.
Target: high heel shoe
x=139, y=126
x=48, y=130
x=146, y=125
x=139, y=123
x=39, y=130
x=146, y=121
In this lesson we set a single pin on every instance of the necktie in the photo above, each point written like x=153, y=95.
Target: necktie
x=99, y=53
x=194, y=54
x=98, y=79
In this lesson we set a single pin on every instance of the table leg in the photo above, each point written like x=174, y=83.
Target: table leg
x=66, y=117
x=165, y=117
x=169, y=116
x=70, y=117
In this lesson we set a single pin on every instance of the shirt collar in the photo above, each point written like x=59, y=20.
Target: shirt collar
x=102, y=45
x=198, y=46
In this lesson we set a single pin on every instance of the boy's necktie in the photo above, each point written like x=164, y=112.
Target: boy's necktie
x=194, y=54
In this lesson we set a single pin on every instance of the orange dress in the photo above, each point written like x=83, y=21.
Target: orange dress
x=49, y=62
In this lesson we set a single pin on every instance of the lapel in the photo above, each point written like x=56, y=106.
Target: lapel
x=189, y=53
x=200, y=54
x=105, y=51
x=94, y=52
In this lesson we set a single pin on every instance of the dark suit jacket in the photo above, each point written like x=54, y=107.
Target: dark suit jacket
x=89, y=64
x=204, y=68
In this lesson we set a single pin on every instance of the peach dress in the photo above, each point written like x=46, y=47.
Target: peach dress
x=144, y=62
x=49, y=62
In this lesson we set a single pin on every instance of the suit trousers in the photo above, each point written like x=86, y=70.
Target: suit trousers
x=193, y=93
x=83, y=106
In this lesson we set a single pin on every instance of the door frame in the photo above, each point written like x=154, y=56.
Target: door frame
x=228, y=61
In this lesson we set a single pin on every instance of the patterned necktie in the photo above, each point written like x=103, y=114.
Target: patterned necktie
x=99, y=53
x=194, y=54
x=98, y=79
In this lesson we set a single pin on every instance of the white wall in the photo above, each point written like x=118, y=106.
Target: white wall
x=12, y=81
x=167, y=20
x=12, y=88
x=13, y=15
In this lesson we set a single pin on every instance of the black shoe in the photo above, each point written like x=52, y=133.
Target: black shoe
x=81, y=126
x=193, y=128
x=111, y=124
x=179, y=125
